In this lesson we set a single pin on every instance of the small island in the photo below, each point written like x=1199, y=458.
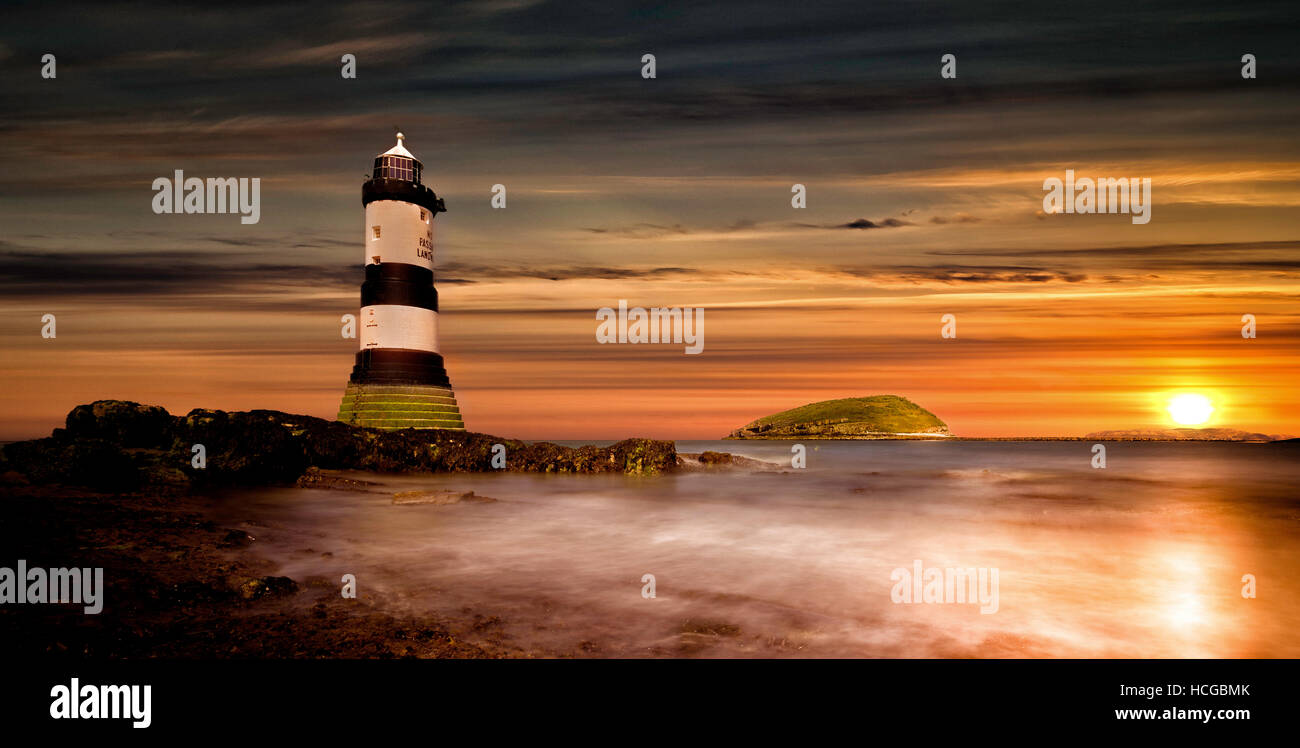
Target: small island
x=873, y=417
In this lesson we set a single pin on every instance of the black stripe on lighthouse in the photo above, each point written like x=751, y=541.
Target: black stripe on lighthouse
x=395, y=366
x=399, y=284
x=407, y=192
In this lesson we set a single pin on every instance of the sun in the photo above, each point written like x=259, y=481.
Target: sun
x=1190, y=410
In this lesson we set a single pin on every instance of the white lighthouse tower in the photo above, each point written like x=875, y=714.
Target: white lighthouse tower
x=399, y=380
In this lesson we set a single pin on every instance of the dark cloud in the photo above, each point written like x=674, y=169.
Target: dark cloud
x=457, y=270
x=179, y=274
x=258, y=90
x=862, y=223
x=1218, y=257
x=144, y=274
x=163, y=273
x=643, y=230
x=212, y=81
x=963, y=274
x=1182, y=251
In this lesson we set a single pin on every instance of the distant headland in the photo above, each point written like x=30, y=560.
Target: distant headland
x=1185, y=435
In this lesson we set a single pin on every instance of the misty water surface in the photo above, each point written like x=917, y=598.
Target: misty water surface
x=1142, y=559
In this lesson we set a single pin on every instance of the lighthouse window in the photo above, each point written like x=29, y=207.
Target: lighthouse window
x=376, y=230
x=396, y=167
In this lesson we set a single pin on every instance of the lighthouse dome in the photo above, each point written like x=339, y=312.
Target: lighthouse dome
x=398, y=163
x=397, y=177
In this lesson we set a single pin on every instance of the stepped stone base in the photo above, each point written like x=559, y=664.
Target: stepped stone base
x=397, y=406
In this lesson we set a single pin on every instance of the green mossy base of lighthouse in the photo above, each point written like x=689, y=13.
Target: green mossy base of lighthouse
x=392, y=407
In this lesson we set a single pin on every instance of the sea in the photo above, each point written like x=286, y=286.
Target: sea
x=916, y=549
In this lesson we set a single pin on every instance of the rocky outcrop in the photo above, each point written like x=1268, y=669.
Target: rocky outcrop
x=439, y=498
x=256, y=589
x=118, y=445
x=721, y=462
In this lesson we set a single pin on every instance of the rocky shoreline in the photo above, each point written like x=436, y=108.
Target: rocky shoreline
x=181, y=586
x=116, y=445
x=117, y=489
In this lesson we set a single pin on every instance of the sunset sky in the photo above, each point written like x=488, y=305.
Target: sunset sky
x=925, y=198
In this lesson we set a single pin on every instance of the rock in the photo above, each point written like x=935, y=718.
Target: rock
x=317, y=478
x=645, y=456
x=438, y=497
x=90, y=462
x=266, y=587
x=121, y=422
x=13, y=478
x=253, y=448
x=236, y=539
x=721, y=462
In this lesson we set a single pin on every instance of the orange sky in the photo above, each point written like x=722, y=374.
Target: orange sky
x=924, y=198
x=1047, y=358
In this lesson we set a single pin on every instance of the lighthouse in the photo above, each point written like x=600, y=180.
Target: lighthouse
x=399, y=380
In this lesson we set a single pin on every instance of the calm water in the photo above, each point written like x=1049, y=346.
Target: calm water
x=1142, y=559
